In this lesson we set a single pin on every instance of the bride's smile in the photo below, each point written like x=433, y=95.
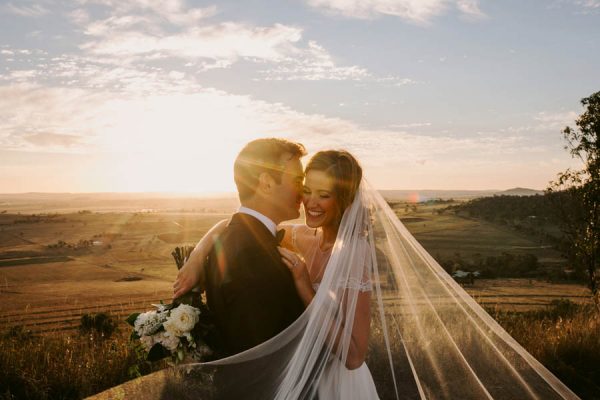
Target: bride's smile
x=319, y=202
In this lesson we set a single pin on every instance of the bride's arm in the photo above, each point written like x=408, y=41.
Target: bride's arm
x=191, y=274
x=359, y=337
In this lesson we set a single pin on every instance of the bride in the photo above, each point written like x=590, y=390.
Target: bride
x=332, y=180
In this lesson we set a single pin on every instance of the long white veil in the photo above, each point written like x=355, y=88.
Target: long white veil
x=435, y=341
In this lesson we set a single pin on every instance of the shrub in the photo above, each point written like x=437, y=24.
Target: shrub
x=102, y=324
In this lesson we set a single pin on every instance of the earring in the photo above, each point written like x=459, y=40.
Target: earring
x=315, y=231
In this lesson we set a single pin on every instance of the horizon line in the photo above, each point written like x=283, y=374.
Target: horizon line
x=233, y=193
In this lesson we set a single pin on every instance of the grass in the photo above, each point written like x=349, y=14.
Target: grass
x=565, y=338
x=64, y=366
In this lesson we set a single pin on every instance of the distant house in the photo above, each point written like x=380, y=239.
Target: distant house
x=465, y=276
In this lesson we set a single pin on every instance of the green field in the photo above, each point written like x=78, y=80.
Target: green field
x=446, y=234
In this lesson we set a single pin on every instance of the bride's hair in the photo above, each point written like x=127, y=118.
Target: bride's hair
x=345, y=171
x=262, y=155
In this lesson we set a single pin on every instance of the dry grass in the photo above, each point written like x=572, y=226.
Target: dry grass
x=68, y=365
x=64, y=366
x=565, y=339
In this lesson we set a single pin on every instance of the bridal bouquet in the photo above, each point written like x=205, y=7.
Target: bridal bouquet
x=180, y=330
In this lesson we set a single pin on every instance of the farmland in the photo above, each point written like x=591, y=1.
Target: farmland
x=55, y=267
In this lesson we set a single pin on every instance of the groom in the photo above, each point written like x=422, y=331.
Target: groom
x=248, y=288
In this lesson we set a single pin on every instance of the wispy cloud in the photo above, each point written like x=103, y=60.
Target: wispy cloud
x=160, y=29
x=470, y=9
x=311, y=64
x=46, y=139
x=544, y=123
x=584, y=7
x=151, y=138
x=25, y=9
x=315, y=63
x=147, y=30
x=417, y=11
x=411, y=125
x=225, y=42
x=589, y=4
x=36, y=118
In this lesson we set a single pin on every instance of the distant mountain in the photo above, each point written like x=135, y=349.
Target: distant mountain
x=424, y=195
x=520, y=192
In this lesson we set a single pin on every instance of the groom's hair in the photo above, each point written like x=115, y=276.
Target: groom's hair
x=262, y=155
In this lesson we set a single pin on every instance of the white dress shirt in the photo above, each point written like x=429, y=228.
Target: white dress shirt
x=271, y=226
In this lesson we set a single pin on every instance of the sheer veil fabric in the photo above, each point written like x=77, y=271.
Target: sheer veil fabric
x=432, y=340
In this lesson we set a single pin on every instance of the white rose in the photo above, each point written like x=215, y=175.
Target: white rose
x=181, y=320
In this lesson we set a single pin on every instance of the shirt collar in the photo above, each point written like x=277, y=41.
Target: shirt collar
x=271, y=226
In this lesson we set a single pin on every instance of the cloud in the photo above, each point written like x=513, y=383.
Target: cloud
x=145, y=30
x=224, y=42
x=150, y=140
x=470, y=9
x=34, y=118
x=315, y=63
x=589, y=4
x=19, y=75
x=25, y=10
x=312, y=64
x=416, y=11
x=545, y=122
x=159, y=29
x=411, y=125
x=45, y=140
x=174, y=11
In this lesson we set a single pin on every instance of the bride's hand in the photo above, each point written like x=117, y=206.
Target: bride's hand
x=192, y=272
x=188, y=277
x=299, y=271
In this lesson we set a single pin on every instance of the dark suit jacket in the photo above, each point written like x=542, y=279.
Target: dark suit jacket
x=248, y=288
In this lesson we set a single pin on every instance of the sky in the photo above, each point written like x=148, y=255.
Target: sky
x=155, y=95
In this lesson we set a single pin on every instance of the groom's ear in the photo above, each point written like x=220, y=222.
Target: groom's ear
x=265, y=183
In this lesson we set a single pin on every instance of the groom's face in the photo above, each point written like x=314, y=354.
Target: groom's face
x=287, y=195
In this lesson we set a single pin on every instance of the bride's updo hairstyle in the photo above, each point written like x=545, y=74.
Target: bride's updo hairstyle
x=345, y=172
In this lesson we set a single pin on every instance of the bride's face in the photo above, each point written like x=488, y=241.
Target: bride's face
x=319, y=201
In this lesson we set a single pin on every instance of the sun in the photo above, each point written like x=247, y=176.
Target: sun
x=174, y=143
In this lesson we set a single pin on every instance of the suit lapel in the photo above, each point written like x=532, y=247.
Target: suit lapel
x=262, y=235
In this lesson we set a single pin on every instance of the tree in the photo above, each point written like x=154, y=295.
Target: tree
x=577, y=194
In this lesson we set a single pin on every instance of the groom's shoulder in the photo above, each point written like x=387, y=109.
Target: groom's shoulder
x=243, y=231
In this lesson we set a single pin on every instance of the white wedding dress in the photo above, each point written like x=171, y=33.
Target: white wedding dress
x=343, y=383
x=337, y=381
